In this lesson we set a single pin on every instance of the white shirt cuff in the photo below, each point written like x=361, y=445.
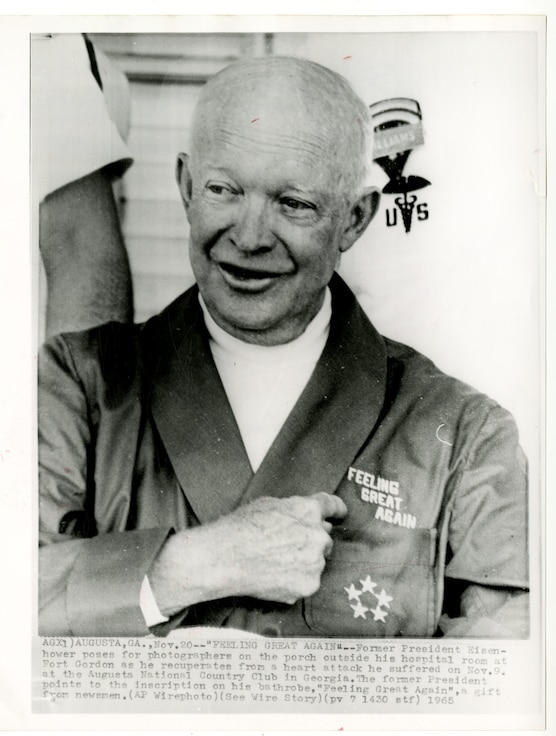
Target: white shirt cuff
x=149, y=607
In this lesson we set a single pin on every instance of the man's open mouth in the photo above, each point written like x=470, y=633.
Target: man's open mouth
x=247, y=274
x=249, y=280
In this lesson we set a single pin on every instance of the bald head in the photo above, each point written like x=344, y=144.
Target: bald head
x=297, y=102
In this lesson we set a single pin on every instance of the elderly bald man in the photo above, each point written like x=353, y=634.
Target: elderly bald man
x=258, y=456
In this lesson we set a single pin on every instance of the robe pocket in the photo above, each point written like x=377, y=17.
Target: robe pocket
x=381, y=587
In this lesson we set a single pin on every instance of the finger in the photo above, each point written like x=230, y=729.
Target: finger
x=327, y=526
x=332, y=507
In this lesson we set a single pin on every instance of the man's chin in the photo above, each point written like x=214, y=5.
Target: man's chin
x=238, y=324
x=253, y=322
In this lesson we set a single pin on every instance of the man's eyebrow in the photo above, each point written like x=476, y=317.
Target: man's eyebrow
x=301, y=189
x=215, y=168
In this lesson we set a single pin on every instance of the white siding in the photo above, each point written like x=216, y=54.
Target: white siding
x=154, y=223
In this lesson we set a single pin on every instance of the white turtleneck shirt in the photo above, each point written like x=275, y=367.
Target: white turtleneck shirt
x=264, y=383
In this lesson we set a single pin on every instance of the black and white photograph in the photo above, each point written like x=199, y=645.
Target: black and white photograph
x=288, y=309
x=256, y=455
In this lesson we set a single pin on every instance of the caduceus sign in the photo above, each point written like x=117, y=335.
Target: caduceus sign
x=398, y=129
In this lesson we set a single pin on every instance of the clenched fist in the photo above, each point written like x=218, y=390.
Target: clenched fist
x=277, y=548
x=274, y=549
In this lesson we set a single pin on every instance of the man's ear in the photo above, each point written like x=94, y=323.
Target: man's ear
x=183, y=177
x=361, y=213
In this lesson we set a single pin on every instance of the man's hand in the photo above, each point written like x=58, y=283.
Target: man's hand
x=272, y=549
x=278, y=547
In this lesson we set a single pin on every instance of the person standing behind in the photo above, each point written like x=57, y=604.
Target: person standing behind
x=78, y=152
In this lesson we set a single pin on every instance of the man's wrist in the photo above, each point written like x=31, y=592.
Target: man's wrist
x=191, y=568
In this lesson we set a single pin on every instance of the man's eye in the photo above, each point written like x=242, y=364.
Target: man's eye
x=216, y=188
x=296, y=204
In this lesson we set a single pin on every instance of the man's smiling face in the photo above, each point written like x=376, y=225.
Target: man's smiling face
x=268, y=218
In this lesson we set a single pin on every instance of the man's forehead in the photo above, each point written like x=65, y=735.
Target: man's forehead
x=267, y=130
x=264, y=122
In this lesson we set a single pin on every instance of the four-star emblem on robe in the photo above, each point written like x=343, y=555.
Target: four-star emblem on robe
x=367, y=594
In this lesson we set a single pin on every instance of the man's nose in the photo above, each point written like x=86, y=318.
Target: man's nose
x=251, y=230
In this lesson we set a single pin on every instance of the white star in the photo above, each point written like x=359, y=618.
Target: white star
x=359, y=610
x=379, y=614
x=383, y=599
x=368, y=585
x=353, y=592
